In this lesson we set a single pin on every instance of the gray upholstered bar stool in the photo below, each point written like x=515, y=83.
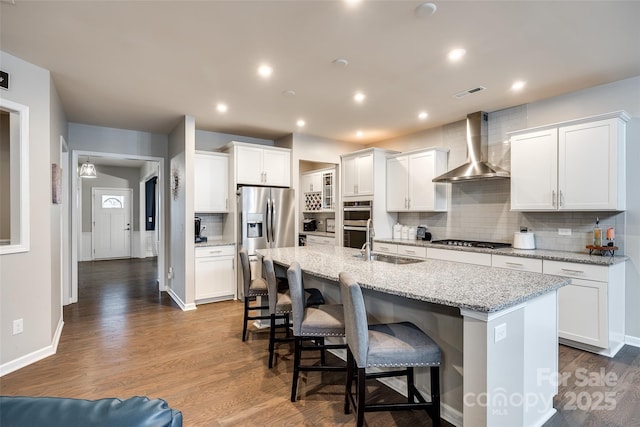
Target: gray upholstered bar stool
x=312, y=324
x=252, y=288
x=279, y=307
x=391, y=345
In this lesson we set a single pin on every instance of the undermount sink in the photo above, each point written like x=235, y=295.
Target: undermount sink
x=390, y=259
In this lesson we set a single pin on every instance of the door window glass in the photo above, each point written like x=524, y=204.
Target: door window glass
x=112, y=202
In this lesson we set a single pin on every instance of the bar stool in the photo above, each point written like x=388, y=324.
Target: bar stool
x=312, y=323
x=392, y=345
x=252, y=288
x=279, y=307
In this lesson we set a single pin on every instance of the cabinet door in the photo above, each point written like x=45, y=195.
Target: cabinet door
x=349, y=173
x=397, y=184
x=364, y=185
x=587, y=159
x=312, y=182
x=327, y=181
x=211, y=183
x=277, y=167
x=422, y=170
x=534, y=171
x=214, y=277
x=582, y=312
x=249, y=165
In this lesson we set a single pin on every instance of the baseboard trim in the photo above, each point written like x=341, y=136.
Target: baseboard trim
x=181, y=304
x=631, y=340
x=35, y=356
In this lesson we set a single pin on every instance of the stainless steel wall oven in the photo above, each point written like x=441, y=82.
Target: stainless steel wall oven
x=354, y=222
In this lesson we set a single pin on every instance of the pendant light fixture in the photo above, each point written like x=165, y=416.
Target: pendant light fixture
x=88, y=170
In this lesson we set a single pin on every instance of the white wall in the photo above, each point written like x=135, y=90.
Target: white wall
x=122, y=141
x=27, y=289
x=213, y=141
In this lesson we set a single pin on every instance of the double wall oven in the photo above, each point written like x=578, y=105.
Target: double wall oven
x=354, y=222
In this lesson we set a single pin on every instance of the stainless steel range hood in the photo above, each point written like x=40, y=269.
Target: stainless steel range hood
x=476, y=167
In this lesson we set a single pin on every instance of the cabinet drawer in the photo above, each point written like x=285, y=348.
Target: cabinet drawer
x=517, y=263
x=320, y=240
x=460, y=256
x=572, y=269
x=227, y=250
x=413, y=251
x=386, y=248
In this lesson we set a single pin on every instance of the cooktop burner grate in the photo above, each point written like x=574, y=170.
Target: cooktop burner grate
x=472, y=243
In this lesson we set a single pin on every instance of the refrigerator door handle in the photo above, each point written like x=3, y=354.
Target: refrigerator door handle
x=267, y=221
x=271, y=226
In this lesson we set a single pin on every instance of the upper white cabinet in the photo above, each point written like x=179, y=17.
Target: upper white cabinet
x=262, y=165
x=409, y=181
x=357, y=173
x=572, y=166
x=211, y=182
x=318, y=190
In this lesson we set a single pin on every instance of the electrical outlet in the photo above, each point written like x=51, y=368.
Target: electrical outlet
x=170, y=273
x=500, y=332
x=564, y=232
x=18, y=326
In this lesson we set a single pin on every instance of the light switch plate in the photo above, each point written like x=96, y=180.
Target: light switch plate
x=500, y=332
x=564, y=232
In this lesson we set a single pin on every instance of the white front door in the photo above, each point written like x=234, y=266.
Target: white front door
x=112, y=211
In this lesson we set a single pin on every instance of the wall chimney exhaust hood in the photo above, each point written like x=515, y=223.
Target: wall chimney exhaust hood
x=476, y=167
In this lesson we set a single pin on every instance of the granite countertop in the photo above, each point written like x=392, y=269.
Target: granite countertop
x=215, y=242
x=578, y=257
x=473, y=287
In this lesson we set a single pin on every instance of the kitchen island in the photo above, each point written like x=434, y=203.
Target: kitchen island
x=497, y=328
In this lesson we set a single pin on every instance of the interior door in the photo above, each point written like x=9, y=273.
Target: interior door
x=112, y=212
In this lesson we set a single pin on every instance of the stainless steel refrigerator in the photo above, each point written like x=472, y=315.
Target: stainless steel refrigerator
x=267, y=220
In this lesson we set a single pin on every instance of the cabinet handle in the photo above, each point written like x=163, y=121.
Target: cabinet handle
x=355, y=188
x=410, y=252
x=560, y=199
x=553, y=198
x=408, y=203
x=515, y=264
x=567, y=270
x=215, y=252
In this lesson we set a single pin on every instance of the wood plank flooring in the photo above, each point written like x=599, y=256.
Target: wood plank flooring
x=123, y=338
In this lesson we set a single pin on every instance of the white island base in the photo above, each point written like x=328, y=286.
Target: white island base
x=499, y=369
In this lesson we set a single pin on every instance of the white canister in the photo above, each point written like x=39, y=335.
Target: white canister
x=413, y=233
x=397, y=231
x=405, y=232
x=524, y=240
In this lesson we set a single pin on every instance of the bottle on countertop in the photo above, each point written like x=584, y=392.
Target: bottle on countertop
x=597, y=234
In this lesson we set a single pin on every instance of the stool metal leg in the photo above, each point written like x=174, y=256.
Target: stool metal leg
x=246, y=315
x=361, y=395
x=296, y=367
x=410, y=385
x=349, y=383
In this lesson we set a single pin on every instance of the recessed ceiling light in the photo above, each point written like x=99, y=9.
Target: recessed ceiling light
x=340, y=62
x=456, y=54
x=265, y=70
x=289, y=93
x=352, y=3
x=359, y=134
x=300, y=123
x=423, y=115
x=425, y=10
x=359, y=97
x=222, y=107
x=518, y=85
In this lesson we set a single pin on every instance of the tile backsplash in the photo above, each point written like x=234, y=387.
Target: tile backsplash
x=481, y=210
x=212, y=224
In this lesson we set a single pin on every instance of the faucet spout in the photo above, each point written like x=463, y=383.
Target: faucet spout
x=368, y=244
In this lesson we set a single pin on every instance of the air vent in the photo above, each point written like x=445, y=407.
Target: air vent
x=468, y=92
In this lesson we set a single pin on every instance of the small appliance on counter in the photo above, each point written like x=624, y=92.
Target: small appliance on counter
x=524, y=239
x=310, y=224
x=198, y=228
x=423, y=234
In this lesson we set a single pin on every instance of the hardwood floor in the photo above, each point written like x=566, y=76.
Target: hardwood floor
x=123, y=338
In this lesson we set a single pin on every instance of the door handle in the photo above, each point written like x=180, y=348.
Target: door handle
x=272, y=214
x=267, y=222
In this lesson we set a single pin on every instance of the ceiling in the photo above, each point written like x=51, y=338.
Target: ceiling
x=144, y=64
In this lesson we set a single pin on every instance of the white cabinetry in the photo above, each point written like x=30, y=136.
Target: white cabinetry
x=320, y=240
x=386, y=248
x=311, y=182
x=323, y=183
x=211, y=182
x=409, y=181
x=215, y=275
x=260, y=165
x=357, y=174
x=573, y=166
x=591, y=309
x=477, y=258
x=532, y=265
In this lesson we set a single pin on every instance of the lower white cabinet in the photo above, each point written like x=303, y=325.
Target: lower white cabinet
x=591, y=309
x=477, y=258
x=320, y=240
x=387, y=248
x=215, y=275
x=532, y=265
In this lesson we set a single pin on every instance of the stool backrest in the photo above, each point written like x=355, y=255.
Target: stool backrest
x=296, y=290
x=272, y=284
x=246, y=270
x=355, y=318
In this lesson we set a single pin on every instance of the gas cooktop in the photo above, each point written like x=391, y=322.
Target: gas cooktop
x=472, y=244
